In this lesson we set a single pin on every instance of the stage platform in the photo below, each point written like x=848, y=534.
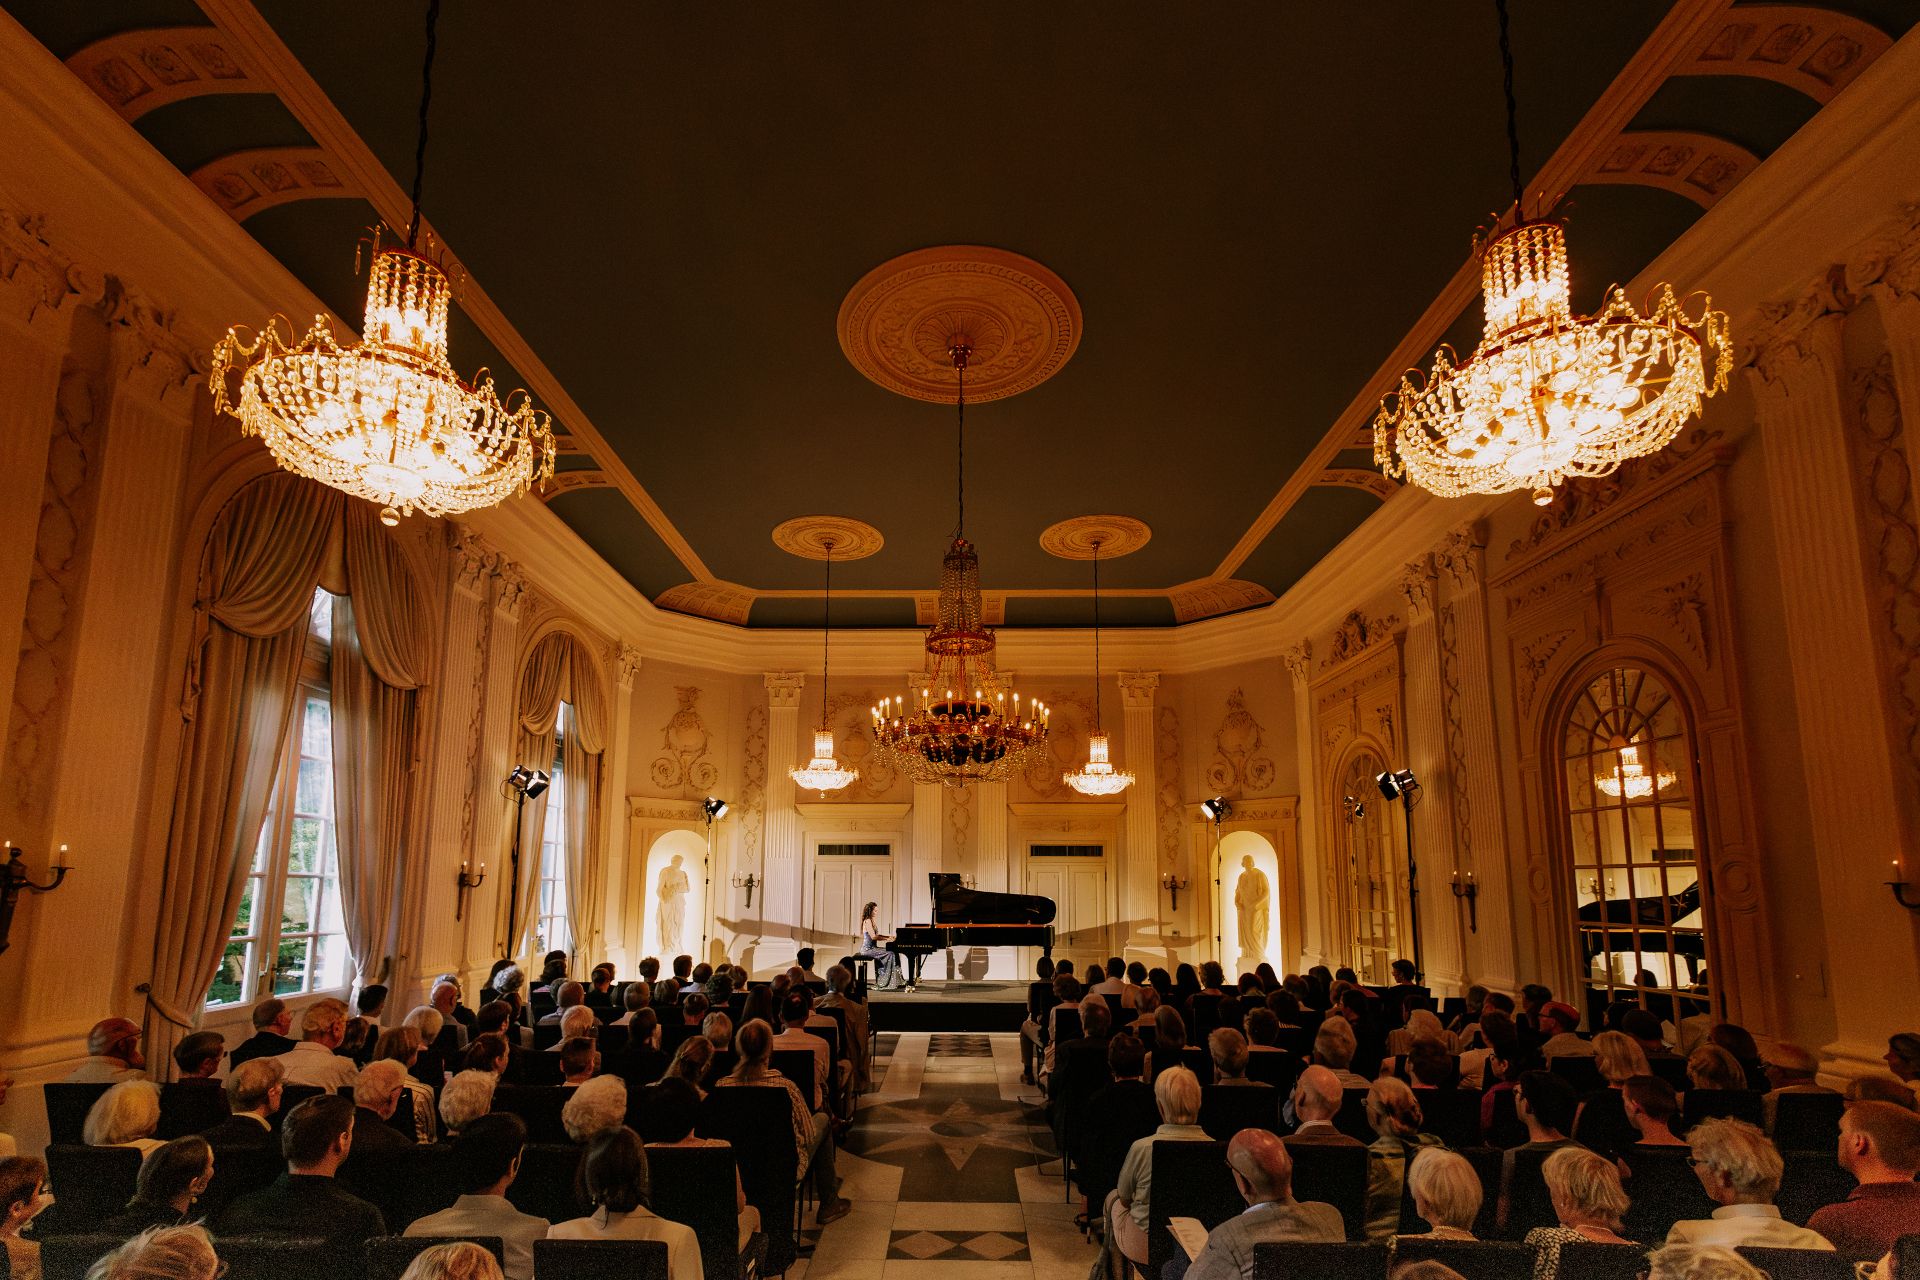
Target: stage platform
x=951, y=1006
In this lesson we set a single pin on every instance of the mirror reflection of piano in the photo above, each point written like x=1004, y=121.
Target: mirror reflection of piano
x=964, y=917
x=1653, y=915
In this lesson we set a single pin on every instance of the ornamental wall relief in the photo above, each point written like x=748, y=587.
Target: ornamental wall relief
x=1166, y=747
x=685, y=765
x=1240, y=764
x=1067, y=729
x=1884, y=479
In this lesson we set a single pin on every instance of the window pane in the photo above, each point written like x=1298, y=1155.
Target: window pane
x=243, y=923
x=316, y=736
x=315, y=782
x=230, y=980
x=329, y=962
x=290, y=968
x=296, y=911
x=304, y=852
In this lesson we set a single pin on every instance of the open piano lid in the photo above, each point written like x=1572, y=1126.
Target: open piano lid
x=954, y=903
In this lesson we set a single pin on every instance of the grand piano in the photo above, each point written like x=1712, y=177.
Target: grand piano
x=964, y=917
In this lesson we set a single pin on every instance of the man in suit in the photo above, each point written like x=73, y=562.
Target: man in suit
x=306, y=1200
x=271, y=1022
x=1315, y=1102
x=1263, y=1175
x=376, y=1093
x=487, y=1158
x=253, y=1096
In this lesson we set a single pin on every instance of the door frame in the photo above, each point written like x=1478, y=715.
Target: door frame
x=851, y=822
x=1070, y=822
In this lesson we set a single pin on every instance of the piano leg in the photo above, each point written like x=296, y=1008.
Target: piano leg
x=914, y=960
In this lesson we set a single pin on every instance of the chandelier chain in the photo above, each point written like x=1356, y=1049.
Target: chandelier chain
x=826, y=636
x=1096, y=635
x=426, y=100
x=960, y=442
x=1513, y=112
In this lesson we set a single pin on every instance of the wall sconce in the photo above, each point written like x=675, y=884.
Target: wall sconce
x=465, y=884
x=14, y=881
x=1593, y=887
x=1173, y=884
x=1470, y=891
x=749, y=883
x=1898, y=884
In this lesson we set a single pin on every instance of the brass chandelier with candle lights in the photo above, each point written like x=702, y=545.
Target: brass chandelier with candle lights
x=1548, y=394
x=965, y=724
x=387, y=419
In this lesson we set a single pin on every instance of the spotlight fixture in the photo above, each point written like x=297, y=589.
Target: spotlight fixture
x=1401, y=785
x=1216, y=809
x=528, y=783
x=714, y=809
x=1393, y=783
x=1355, y=809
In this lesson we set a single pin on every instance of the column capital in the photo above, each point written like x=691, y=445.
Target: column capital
x=513, y=594
x=783, y=689
x=1461, y=555
x=625, y=659
x=1299, y=660
x=473, y=561
x=1136, y=689
x=1418, y=585
x=152, y=364
x=1798, y=355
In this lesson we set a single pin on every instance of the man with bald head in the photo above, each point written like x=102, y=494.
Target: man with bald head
x=1314, y=1104
x=1263, y=1174
x=113, y=1054
x=570, y=995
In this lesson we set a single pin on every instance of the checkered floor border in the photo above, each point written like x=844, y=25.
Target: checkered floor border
x=958, y=1246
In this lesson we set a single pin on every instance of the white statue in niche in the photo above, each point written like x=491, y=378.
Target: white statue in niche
x=672, y=894
x=1250, y=897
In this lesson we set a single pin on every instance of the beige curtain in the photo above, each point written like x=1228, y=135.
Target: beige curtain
x=560, y=669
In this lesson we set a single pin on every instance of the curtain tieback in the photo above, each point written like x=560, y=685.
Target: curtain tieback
x=164, y=1009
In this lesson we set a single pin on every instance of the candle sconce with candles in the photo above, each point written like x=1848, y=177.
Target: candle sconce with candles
x=749, y=883
x=1173, y=884
x=467, y=884
x=1471, y=892
x=14, y=881
x=1898, y=884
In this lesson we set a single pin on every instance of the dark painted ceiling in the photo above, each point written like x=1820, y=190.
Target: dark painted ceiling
x=1252, y=202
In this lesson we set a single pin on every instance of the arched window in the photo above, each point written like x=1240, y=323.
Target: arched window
x=1628, y=762
x=1372, y=889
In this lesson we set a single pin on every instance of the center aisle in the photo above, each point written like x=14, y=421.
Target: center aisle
x=952, y=1172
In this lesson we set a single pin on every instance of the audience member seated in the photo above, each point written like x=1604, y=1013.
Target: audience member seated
x=639, y=1062
x=316, y=1139
x=1699, y=1262
x=553, y=973
x=576, y=1023
x=690, y=1062
x=1446, y=1194
x=1601, y=1123
x=1394, y=1115
x=859, y=1064
x=253, y=1099
x=669, y=1110
x=1263, y=1175
x=1651, y=1105
x=486, y=1159
x=600, y=986
x=1468, y=1018
x=614, y=1175
x=1533, y=998
x=638, y=996
x=363, y=1030
x=812, y=1131
x=1739, y=1042
x=1066, y=995
x=113, y=1054
x=444, y=1000
x=1127, y=1112
x=467, y=1097
x=794, y=1012
x=1903, y=1059
x=1096, y=1028
x=1789, y=1068
x=510, y=989
x=1333, y=1048
x=693, y=1009
x=1740, y=1171
x=1559, y=1026
x=1880, y=1147
x=489, y=1050
x=1588, y=1201
x=1494, y=1028
x=402, y=1045
x=1881, y=1089
x=7, y=1147
x=166, y=1253
x=271, y=1022
x=313, y=1061
x=1711, y=1067
x=1169, y=1045
x=376, y=1095
x=455, y=1260
x=1263, y=1029
x=171, y=1179
x=1430, y=1066
x=1422, y=1024
x=595, y=1107
x=125, y=1116
x=578, y=1061
x=1316, y=1099
x=1546, y=1106
x=1176, y=1090
x=1114, y=983
x=1228, y=1048
x=1644, y=1027
x=23, y=1195
x=198, y=1055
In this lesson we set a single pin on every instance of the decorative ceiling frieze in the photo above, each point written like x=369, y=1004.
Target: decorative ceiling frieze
x=562, y=482
x=1815, y=50
x=1360, y=478
x=136, y=71
x=247, y=182
x=1695, y=165
x=1193, y=601
x=719, y=601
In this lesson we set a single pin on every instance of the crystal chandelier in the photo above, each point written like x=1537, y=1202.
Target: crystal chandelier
x=1097, y=777
x=1630, y=778
x=387, y=419
x=1548, y=394
x=823, y=773
x=961, y=729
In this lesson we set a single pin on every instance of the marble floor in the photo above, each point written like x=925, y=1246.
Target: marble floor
x=952, y=1173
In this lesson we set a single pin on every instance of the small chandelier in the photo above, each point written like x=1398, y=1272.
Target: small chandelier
x=1548, y=394
x=823, y=773
x=1097, y=777
x=1631, y=779
x=947, y=736
x=387, y=419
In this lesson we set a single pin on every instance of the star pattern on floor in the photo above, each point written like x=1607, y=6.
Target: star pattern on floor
x=958, y=1122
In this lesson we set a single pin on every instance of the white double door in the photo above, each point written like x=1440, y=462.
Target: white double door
x=1083, y=913
x=841, y=887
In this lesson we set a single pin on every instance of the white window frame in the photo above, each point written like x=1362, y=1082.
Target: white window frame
x=552, y=929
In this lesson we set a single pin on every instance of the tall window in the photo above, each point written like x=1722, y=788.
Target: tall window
x=290, y=936
x=552, y=932
x=1372, y=889
x=1641, y=924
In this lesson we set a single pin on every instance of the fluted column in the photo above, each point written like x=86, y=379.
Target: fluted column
x=1315, y=894
x=1432, y=816
x=784, y=891
x=1137, y=895
x=622, y=943
x=926, y=854
x=1847, y=753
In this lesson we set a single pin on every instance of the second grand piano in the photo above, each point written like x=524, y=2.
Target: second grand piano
x=964, y=917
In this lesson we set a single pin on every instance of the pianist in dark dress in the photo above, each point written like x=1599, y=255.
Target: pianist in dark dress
x=873, y=946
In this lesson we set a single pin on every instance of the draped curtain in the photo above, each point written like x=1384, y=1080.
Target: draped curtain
x=561, y=669
x=269, y=548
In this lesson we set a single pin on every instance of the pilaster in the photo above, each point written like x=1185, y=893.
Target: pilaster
x=1315, y=890
x=784, y=892
x=1137, y=869
x=493, y=734
x=1431, y=817
x=925, y=855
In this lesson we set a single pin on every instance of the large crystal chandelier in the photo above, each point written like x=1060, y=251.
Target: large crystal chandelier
x=387, y=419
x=962, y=728
x=1548, y=394
x=824, y=773
x=1097, y=777
x=1630, y=778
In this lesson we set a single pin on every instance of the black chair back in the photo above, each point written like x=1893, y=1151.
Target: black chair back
x=1354, y=1260
x=1807, y=1121
x=545, y=1187
x=694, y=1186
x=1799, y=1264
x=1335, y=1175
x=672, y=1033
x=291, y=1096
x=533, y=1068
x=1486, y=1162
x=69, y=1257
x=1703, y=1104
x=1277, y=1069
x=798, y=1066
x=89, y=1183
x=1297, y=1041
x=1351, y=1119
x=601, y=1259
x=1472, y=1259
x=402, y=1118
x=1506, y=1129
x=613, y=1039
x=1117, y=1005
x=388, y=1257
x=758, y=1121
x=1190, y=1180
x=1080, y=1071
x=1672, y=1069
x=277, y=1258
x=1066, y=1025
x=1528, y=1204
x=1583, y=1073
x=430, y=1182
x=67, y=1107
x=1452, y=1115
x=1226, y=1109
x=1662, y=1190
x=1196, y=1059
x=1585, y=1260
x=190, y=1106
x=236, y=1171
x=539, y=1106
x=1203, y=1017
x=1812, y=1179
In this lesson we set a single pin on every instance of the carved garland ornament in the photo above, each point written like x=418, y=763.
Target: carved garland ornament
x=685, y=767
x=1239, y=764
x=1885, y=480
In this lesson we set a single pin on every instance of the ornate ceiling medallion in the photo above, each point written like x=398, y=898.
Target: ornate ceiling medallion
x=1084, y=537
x=897, y=325
x=818, y=537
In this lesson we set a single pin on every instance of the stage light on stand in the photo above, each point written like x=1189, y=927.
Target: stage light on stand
x=1216, y=809
x=523, y=784
x=713, y=809
x=1401, y=785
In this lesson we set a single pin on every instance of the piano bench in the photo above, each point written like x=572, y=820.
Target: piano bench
x=860, y=975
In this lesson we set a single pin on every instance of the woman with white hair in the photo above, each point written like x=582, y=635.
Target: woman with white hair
x=1740, y=1171
x=1446, y=1194
x=401, y=1044
x=1176, y=1091
x=1588, y=1201
x=467, y=1097
x=165, y=1253
x=1395, y=1117
x=1422, y=1024
x=125, y=1116
x=1704, y=1262
x=595, y=1107
x=459, y=1260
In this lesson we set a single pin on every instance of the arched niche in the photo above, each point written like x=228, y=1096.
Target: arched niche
x=1247, y=861
x=674, y=859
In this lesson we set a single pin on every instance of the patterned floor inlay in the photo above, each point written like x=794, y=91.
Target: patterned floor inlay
x=959, y=1246
x=960, y=1046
